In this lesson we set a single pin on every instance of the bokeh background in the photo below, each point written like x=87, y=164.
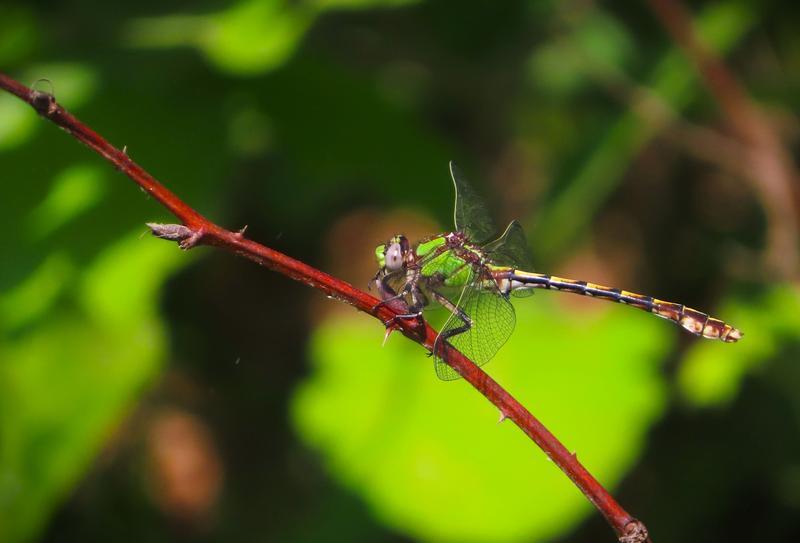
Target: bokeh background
x=148, y=394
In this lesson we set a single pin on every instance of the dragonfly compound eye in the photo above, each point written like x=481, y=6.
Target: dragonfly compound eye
x=394, y=257
x=380, y=255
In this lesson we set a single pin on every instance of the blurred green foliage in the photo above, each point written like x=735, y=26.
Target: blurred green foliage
x=672, y=81
x=83, y=364
x=249, y=37
x=315, y=123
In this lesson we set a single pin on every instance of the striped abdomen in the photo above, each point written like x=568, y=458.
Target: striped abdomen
x=694, y=321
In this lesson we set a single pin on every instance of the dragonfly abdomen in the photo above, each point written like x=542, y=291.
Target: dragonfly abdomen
x=692, y=320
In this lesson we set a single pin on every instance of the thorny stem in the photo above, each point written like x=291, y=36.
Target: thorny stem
x=771, y=170
x=197, y=230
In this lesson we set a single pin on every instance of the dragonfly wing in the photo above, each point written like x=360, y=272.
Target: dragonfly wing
x=444, y=371
x=492, y=322
x=511, y=249
x=470, y=214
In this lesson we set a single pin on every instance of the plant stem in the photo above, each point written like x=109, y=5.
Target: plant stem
x=197, y=230
x=772, y=171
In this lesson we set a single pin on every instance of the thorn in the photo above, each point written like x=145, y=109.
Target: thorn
x=503, y=417
x=121, y=163
x=239, y=234
x=389, y=330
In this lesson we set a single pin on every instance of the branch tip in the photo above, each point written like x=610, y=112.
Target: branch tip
x=635, y=532
x=171, y=232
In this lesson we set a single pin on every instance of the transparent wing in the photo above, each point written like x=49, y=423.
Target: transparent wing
x=493, y=321
x=470, y=214
x=511, y=249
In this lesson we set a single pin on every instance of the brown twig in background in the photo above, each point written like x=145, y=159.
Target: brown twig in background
x=702, y=142
x=771, y=169
x=197, y=230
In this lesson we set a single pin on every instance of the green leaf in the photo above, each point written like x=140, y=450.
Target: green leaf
x=36, y=294
x=429, y=456
x=67, y=383
x=74, y=190
x=19, y=33
x=250, y=37
x=598, y=45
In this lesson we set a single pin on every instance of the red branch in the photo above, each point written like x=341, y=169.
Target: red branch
x=197, y=230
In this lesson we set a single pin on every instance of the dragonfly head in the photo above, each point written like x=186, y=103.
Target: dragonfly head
x=393, y=254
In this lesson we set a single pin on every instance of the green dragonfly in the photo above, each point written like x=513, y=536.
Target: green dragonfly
x=472, y=277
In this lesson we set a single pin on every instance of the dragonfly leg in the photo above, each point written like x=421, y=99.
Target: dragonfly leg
x=458, y=312
x=388, y=294
x=397, y=301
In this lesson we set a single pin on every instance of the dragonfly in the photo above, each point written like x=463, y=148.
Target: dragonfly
x=473, y=277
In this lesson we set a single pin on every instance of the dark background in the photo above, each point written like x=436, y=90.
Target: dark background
x=152, y=395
